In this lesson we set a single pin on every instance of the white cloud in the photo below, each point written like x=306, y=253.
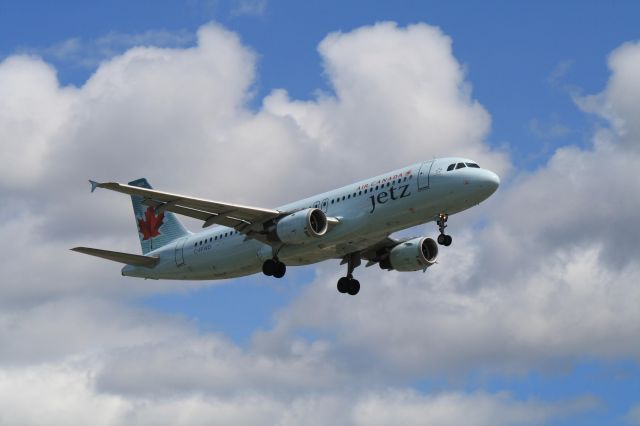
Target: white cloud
x=34, y=111
x=89, y=53
x=211, y=364
x=530, y=287
x=408, y=408
x=400, y=96
x=78, y=326
x=618, y=103
x=65, y=393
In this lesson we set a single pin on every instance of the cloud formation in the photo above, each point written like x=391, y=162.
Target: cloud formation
x=528, y=287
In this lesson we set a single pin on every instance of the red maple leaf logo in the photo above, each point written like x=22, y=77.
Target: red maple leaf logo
x=149, y=226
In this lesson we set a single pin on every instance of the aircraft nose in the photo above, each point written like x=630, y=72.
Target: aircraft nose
x=488, y=182
x=491, y=181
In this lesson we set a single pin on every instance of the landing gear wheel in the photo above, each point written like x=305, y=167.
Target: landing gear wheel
x=343, y=285
x=274, y=268
x=354, y=287
x=443, y=239
x=280, y=270
x=349, y=284
x=269, y=267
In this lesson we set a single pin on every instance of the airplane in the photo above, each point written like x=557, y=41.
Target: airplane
x=352, y=223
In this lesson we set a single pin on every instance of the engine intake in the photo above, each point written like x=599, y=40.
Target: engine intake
x=413, y=255
x=302, y=226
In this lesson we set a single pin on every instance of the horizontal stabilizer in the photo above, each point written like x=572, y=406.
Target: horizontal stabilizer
x=116, y=256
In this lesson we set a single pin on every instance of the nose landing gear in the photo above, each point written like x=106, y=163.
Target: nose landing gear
x=443, y=239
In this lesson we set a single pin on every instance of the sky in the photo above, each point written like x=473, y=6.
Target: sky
x=530, y=317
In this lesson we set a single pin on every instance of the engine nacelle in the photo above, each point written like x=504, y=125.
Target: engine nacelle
x=302, y=226
x=412, y=255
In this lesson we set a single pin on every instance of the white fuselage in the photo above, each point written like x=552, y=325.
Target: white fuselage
x=367, y=211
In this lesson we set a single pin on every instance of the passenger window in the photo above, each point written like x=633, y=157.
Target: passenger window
x=474, y=165
x=460, y=166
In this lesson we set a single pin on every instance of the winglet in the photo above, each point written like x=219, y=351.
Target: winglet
x=94, y=185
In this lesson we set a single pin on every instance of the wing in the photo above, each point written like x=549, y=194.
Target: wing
x=245, y=219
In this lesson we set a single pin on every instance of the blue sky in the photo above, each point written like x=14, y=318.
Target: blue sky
x=528, y=65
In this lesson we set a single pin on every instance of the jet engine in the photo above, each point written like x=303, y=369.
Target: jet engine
x=301, y=226
x=413, y=255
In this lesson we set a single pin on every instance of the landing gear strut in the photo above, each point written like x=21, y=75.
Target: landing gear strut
x=349, y=284
x=274, y=268
x=443, y=239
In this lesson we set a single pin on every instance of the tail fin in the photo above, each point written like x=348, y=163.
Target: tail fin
x=155, y=228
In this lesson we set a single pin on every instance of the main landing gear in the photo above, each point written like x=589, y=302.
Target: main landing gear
x=443, y=239
x=349, y=284
x=274, y=268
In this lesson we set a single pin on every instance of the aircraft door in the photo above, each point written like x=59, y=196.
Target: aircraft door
x=424, y=175
x=325, y=205
x=179, y=251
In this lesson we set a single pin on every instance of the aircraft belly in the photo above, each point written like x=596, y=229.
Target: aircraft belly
x=213, y=261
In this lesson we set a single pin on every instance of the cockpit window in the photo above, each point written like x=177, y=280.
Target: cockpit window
x=451, y=167
x=460, y=166
x=474, y=165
